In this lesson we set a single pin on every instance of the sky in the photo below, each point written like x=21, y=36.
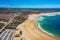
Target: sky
x=29, y=3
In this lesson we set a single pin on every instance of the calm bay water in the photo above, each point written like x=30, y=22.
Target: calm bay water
x=51, y=24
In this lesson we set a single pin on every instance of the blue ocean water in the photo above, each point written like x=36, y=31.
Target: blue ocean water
x=51, y=24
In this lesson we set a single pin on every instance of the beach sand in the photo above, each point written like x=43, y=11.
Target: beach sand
x=32, y=32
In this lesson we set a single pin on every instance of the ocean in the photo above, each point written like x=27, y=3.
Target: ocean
x=50, y=24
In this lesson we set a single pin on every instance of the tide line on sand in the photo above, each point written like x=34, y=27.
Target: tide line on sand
x=38, y=25
x=44, y=30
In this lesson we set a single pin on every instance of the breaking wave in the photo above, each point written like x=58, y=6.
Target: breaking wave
x=50, y=23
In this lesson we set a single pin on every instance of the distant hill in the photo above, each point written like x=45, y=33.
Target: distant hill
x=29, y=8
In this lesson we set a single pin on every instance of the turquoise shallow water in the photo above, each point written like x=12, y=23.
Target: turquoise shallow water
x=51, y=24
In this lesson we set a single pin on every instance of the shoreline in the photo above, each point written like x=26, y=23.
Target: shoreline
x=44, y=30
x=29, y=27
x=47, y=14
x=52, y=14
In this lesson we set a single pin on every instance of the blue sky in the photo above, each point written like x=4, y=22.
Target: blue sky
x=30, y=3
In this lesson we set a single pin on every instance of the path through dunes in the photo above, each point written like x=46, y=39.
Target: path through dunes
x=29, y=27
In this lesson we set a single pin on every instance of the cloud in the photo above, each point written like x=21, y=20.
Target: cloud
x=30, y=6
x=40, y=6
x=4, y=5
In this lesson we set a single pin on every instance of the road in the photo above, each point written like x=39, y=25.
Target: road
x=7, y=24
x=6, y=35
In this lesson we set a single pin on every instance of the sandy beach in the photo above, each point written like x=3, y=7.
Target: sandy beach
x=30, y=29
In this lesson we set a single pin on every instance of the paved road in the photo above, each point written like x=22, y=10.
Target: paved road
x=6, y=35
x=7, y=23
